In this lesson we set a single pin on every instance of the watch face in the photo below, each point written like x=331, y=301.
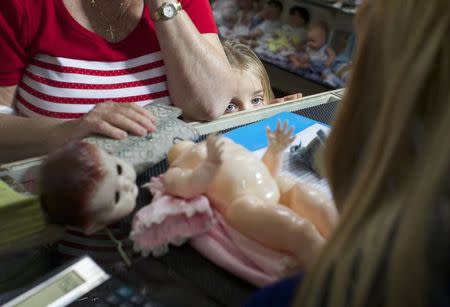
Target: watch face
x=168, y=11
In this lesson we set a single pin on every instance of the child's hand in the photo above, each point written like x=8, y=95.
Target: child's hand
x=287, y=98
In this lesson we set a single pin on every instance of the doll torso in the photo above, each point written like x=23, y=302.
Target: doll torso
x=241, y=174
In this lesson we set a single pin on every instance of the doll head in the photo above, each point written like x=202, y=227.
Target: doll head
x=253, y=89
x=298, y=17
x=246, y=4
x=83, y=186
x=317, y=35
x=272, y=10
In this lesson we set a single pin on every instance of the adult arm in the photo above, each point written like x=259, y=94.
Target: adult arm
x=199, y=77
x=22, y=137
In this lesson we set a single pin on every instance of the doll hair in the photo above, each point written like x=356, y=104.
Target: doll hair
x=69, y=177
x=388, y=163
x=243, y=58
x=301, y=12
x=275, y=3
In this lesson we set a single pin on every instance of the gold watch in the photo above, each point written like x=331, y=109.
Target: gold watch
x=166, y=11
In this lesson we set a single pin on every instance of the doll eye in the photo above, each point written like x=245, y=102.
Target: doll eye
x=119, y=169
x=117, y=196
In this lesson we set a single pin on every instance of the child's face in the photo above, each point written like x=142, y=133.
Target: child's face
x=250, y=94
x=316, y=38
x=296, y=21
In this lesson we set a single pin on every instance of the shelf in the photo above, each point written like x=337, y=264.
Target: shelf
x=347, y=10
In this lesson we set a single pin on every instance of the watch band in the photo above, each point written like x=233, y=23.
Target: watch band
x=159, y=13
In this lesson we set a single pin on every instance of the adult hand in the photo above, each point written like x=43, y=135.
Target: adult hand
x=116, y=120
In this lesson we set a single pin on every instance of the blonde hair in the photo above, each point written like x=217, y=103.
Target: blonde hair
x=243, y=58
x=388, y=161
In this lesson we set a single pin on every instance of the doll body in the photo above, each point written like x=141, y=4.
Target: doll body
x=275, y=211
x=316, y=56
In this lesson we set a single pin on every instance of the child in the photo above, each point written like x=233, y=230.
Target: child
x=254, y=89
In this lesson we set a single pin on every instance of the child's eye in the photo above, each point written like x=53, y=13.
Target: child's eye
x=257, y=101
x=231, y=108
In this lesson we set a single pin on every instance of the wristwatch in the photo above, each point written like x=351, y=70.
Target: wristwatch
x=166, y=11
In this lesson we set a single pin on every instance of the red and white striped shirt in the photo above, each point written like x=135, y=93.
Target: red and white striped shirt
x=63, y=70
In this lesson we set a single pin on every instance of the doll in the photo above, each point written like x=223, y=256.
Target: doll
x=83, y=186
x=275, y=211
x=270, y=21
x=290, y=35
x=317, y=56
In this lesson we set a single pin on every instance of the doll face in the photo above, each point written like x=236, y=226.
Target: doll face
x=316, y=38
x=250, y=94
x=115, y=195
x=296, y=21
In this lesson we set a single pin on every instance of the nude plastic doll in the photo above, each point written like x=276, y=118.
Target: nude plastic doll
x=318, y=56
x=253, y=90
x=85, y=187
x=276, y=211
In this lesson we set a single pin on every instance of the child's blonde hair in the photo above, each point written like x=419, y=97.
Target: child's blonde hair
x=388, y=164
x=243, y=58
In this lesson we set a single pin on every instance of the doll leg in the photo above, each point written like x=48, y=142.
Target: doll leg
x=276, y=227
x=310, y=203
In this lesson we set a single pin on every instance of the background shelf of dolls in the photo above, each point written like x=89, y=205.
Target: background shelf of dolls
x=284, y=76
x=286, y=79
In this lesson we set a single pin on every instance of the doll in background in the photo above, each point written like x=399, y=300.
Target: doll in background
x=224, y=12
x=270, y=14
x=243, y=16
x=316, y=56
x=284, y=40
x=253, y=90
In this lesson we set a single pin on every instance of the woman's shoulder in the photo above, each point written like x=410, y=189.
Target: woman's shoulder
x=22, y=12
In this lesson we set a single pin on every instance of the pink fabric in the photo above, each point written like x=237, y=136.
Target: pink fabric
x=169, y=220
x=173, y=220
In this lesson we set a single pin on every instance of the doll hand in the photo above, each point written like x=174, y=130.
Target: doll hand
x=281, y=138
x=214, y=146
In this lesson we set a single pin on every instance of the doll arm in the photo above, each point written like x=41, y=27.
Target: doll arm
x=331, y=57
x=188, y=183
x=278, y=142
